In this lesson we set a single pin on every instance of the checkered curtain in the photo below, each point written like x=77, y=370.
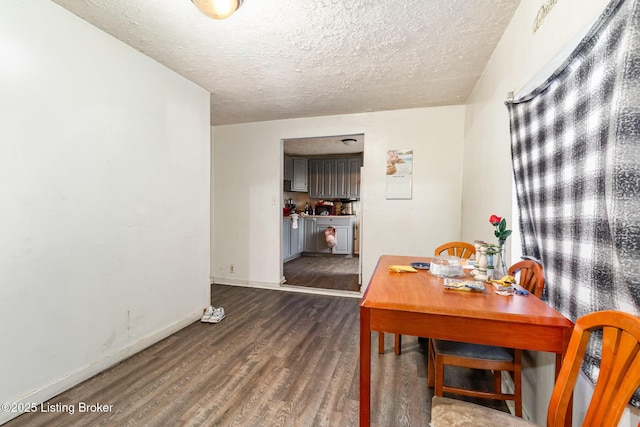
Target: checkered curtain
x=575, y=144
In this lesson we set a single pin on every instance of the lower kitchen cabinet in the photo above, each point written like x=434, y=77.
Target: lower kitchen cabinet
x=344, y=238
x=292, y=239
x=309, y=244
x=314, y=237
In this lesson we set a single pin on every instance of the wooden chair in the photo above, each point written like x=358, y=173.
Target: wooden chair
x=531, y=276
x=618, y=379
x=462, y=250
x=486, y=357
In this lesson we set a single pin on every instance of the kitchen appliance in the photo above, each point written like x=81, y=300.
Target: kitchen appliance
x=345, y=207
x=290, y=205
x=324, y=208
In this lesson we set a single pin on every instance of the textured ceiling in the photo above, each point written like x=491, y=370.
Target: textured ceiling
x=280, y=59
x=318, y=146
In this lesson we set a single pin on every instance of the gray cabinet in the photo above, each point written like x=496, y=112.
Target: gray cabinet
x=344, y=237
x=286, y=240
x=322, y=178
x=300, y=174
x=287, y=173
x=319, y=238
x=337, y=178
x=292, y=239
x=295, y=174
x=353, y=176
x=314, y=179
x=309, y=243
x=327, y=179
x=341, y=178
x=314, y=238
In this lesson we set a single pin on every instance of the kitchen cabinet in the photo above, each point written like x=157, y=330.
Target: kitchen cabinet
x=287, y=173
x=344, y=237
x=353, y=177
x=314, y=238
x=321, y=178
x=335, y=178
x=342, y=181
x=309, y=241
x=300, y=175
x=291, y=239
x=286, y=240
x=295, y=174
x=319, y=239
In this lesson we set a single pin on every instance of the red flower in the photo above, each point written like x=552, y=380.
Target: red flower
x=495, y=220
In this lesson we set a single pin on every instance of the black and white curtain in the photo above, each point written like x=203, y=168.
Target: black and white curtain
x=575, y=144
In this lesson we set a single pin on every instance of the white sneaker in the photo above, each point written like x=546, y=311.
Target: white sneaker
x=208, y=312
x=216, y=316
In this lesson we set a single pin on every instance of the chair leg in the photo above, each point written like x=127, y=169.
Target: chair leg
x=497, y=381
x=431, y=372
x=435, y=374
x=439, y=368
x=380, y=342
x=398, y=344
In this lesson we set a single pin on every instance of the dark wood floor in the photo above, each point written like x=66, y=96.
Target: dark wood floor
x=277, y=359
x=328, y=272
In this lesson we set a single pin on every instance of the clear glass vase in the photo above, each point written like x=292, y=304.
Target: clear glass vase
x=500, y=265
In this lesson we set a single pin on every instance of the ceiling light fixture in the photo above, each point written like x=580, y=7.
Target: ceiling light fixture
x=349, y=141
x=217, y=9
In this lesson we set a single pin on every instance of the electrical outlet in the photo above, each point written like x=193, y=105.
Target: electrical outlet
x=274, y=201
x=232, y=268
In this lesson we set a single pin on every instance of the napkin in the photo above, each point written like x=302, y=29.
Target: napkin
x=402, y=269
x=501, y=287
x=465, y=286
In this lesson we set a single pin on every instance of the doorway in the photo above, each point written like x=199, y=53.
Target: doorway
x=330, y=195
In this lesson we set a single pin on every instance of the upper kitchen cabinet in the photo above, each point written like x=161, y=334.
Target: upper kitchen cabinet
x=300, y=175
x=296, y=174
x=353, y=172
x=320, y=178
x=287, y=174
x=334, y=178
x=342, y=179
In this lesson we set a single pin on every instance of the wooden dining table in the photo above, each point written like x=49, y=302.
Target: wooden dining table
x=418, y=304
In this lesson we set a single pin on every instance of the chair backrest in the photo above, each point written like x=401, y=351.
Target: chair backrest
x=459, y=249
x=531, y=276
x=619, y=375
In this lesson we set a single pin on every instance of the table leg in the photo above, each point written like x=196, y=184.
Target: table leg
x=397, y=345
x=365, y=367
x=558, y=364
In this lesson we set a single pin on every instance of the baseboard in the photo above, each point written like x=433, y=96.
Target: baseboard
x=245, y=283
x=508, y=387
x=62, y=384
x=286, y=288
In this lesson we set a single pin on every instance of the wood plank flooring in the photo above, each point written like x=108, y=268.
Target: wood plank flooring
x=327, y=272
x=277, y=359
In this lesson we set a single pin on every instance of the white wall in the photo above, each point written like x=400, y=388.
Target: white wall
x=248, y=178
x=104, y=201
x=519, y=56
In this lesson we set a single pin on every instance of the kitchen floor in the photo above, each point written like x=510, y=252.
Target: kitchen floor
x=327, y=272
